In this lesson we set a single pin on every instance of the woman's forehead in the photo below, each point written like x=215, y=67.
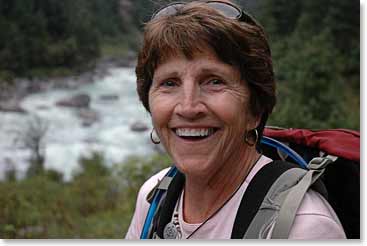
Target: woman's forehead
x=205, y=62
x=199, y=52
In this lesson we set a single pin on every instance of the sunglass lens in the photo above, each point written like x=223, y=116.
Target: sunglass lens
x=169, y=10
x=227, y=10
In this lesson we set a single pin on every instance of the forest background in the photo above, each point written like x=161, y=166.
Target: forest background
x=316, y=55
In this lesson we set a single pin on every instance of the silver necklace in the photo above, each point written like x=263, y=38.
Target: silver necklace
x=173, y=230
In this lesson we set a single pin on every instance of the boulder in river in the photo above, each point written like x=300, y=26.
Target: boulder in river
x=77, y=101
x=35, y=86
x=43, y=107
x=138, y=126
x=88, y=117
x=11, y=106
x=109, y=97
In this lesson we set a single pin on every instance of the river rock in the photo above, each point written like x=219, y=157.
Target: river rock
x=109, y=97
x=88, y=117
x=77, y=101
x=42, y=107
x=138, y=126
x=35, y=86
x=11, y=106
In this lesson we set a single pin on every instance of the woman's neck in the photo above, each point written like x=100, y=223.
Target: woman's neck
x=205, y=195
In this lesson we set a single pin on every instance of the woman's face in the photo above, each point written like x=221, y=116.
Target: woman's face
x=200, y=110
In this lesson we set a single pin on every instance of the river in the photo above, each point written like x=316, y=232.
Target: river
x=113, y=100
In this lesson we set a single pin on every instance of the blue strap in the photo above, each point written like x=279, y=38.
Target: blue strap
x=285, y=149
x=153, y=207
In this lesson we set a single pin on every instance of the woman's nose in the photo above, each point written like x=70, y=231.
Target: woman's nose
x=190, y=105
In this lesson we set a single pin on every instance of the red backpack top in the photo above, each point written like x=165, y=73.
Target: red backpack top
x=339, y=142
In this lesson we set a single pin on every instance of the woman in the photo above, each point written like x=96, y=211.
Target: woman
x=205, y=75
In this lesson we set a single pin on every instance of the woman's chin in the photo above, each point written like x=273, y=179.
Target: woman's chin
x=195, y=167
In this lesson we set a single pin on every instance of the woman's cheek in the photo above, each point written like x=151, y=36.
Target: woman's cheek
x=160, y=107
x=226, y=105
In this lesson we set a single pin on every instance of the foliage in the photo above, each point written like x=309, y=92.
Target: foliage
x=97, y=203
x=50, y=34
x=315, y=47
x=137, y=170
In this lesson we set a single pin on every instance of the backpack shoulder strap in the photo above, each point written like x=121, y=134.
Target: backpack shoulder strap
x=268, y=213
x=165, y=210
x=294, y=195
x=255, y=193
x=281, y=202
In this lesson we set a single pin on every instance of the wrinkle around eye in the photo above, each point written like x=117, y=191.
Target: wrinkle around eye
x=238, y=92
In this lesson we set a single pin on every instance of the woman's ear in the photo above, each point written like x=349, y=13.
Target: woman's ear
x=254, y=121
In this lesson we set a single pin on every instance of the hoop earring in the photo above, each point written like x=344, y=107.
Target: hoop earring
x=256, y=135
x=155, y=141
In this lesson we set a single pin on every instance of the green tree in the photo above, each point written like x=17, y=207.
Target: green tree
x=316, y=62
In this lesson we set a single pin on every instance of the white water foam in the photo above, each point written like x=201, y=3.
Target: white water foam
x=67, y=139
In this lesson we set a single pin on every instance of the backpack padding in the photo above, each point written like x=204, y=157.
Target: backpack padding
x=255, y=193
x=272, y=204
x=164, y=215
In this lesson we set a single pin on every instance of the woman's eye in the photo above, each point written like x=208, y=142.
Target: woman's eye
x=168, y=83
x=216, y=82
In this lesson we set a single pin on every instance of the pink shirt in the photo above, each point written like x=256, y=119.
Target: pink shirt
x=315, y=219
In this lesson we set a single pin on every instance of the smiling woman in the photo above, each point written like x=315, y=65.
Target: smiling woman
x=184, y=100
x=205, y=75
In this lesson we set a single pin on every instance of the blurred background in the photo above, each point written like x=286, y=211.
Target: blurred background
x=74, y=140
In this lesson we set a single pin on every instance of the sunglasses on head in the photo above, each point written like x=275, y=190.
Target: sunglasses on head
x=227, y=9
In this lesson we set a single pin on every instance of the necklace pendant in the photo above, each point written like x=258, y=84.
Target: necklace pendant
x=170, y=231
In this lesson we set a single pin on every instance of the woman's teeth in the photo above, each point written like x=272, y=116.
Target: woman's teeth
x=197, y=132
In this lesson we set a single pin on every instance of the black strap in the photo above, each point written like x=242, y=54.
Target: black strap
x=164, y=214
x=255, y=193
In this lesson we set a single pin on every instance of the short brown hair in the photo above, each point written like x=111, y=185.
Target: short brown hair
x=196, y=27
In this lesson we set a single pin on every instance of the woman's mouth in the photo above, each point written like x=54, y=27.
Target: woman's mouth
x=194, y=134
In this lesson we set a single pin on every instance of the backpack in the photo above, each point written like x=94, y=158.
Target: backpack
x=302, y=159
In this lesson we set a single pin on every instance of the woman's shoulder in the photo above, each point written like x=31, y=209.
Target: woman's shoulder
x=315, y=203
x=316, y=217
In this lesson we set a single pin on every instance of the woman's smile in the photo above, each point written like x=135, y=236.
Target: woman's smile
x=196, y=134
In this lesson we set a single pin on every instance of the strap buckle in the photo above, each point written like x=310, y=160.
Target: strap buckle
x=161, y=185
x=319, y=163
